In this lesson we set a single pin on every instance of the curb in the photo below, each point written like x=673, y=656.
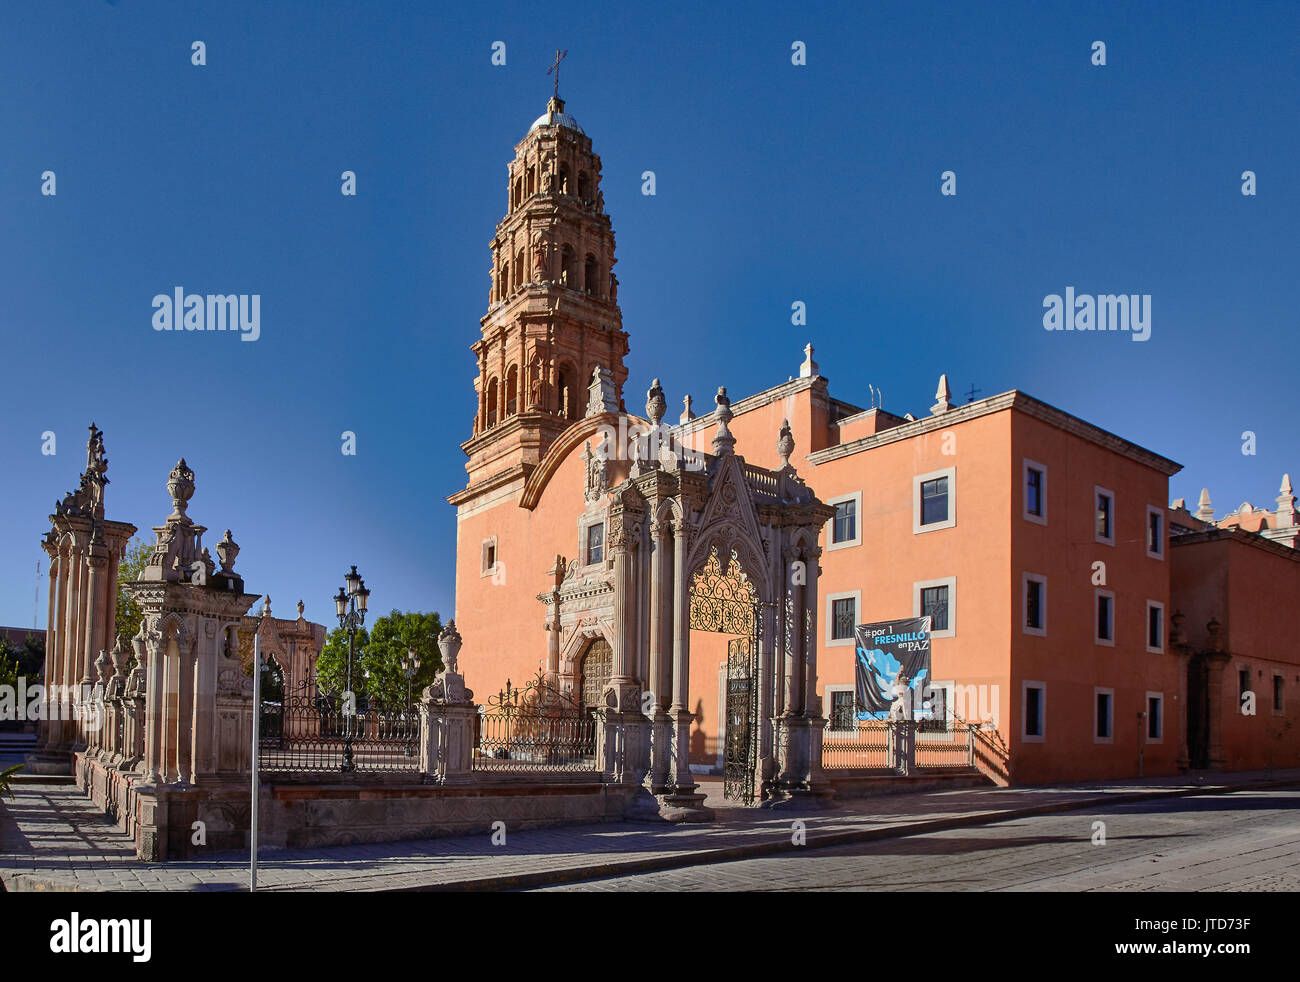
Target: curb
x=824, y=840
x=24, y=882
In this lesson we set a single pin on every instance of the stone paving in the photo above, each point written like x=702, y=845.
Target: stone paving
x=52, y=838
x=1246, y=841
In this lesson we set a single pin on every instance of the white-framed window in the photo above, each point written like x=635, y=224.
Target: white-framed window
x=593, y=544
x=1034, y=488
x=938, y=598
x=489, y=557
x=840, y=712
x=1033, y=711
x=842, y=617
x=937, y=705
x=1104, y=515
x=845, y=529
x=1033, y=603
x=1155, y=627
x=1103, y=714
x=1104, y=617
x=1155, y=718
x=1155, y=532
x=934, y=500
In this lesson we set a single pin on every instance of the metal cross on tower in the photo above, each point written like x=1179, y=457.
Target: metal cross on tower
x=555, y=68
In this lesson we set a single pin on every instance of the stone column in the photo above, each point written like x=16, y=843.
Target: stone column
x=661, y=606
x=680, y=711
x=808, y=627
x=154, y=715
x=627, y=761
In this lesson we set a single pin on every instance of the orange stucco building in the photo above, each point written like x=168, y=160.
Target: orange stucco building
x=1039, y=544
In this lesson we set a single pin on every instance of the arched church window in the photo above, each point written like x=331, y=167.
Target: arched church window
x=564, y=178
x=566, y=404
x=530, y=186
x=518, y=196
x=520, y=278
x=512, y=390
x=591, y=276
x=597, y=664
x=492, y=403
x=584, y=185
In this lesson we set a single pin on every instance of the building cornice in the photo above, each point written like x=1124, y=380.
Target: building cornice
x=1018, y=401
x=1253, y=539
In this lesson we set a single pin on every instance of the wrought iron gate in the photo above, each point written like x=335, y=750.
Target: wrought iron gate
x=725, y=602
x=741, y=755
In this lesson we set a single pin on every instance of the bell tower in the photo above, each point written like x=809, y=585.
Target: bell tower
x=553, y=319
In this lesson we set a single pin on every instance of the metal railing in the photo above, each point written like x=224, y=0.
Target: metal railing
x=536, y=728
x=310, y=734
x=855, y=744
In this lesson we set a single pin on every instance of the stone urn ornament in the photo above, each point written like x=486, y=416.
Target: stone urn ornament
x=180, y=485
x=227, y=550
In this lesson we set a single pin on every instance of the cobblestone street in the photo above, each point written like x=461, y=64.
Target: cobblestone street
x=1243, y=842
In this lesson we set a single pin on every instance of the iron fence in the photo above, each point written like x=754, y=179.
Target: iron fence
x=537, y=728
x=943, y=743
x=309, y=732
x=857, y=744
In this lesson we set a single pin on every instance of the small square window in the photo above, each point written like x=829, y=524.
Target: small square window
x=595, y=543
x=488, y=561
x=842, y=713
x=934, y=502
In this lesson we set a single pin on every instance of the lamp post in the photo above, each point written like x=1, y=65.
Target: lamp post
x=351, y=608
x=410, y=665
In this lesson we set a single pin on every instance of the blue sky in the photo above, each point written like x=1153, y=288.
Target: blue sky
x=774, y=183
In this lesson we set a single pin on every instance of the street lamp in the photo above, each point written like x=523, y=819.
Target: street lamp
x=351, y=608
x=410, y=665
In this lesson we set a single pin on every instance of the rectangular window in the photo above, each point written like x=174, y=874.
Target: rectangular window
x=1155, y=626
x=1034, y=492
x=1035, y=604
x=1243, y=683
x=1105, y=531
x=1105, y=617
x=934, y=602
x=842, y=715
x=595, y=543
x=934, y=500
x=1035, y=712
x=1155, y=533
x=1105, y=700
x=1155, y=718
x=844, y=615
x=846, y=521
x=1278, y=682
x=488, y=563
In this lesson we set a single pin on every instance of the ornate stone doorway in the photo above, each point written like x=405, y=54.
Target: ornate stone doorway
x=724, y=601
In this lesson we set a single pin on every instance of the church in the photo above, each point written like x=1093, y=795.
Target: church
x=699, y=579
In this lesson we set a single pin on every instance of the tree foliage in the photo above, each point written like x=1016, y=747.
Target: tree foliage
x=381, y=651
x=135, y=557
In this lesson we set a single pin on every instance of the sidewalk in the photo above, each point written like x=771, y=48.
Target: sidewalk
x=51, y=838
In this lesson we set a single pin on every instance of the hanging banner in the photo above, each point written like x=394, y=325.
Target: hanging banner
x=893, y=667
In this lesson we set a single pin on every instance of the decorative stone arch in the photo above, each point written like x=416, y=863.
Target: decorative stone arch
x=727, y=537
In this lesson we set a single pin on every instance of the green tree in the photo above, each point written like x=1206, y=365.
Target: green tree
x=381, y=652
x=135, y=557
x=27, y=660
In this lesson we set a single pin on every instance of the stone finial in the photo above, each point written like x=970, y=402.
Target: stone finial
x=942, y=397
x=180, y=485
x=300, y=609
x=121, y=658
x=655, y=403
x=101, y=666
x=723, y=441
x=1286, y=510
x=688, y=413
x=601, y=397
x=266, y=606
x=785, y=443
x=227, y=550
x=1203, y=510
x=809, y=367
x=449, y=642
